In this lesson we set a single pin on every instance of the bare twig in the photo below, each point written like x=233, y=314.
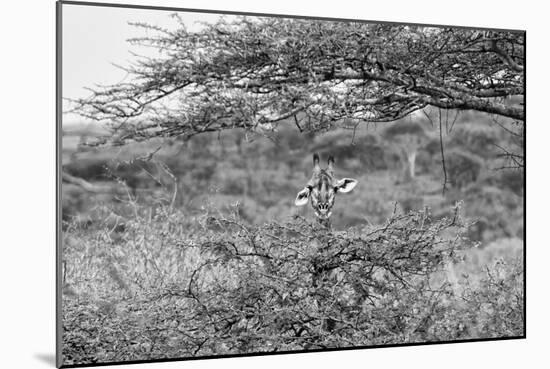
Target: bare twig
x=442, y=155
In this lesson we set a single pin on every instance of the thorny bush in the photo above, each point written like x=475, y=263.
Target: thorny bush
x=162, y=289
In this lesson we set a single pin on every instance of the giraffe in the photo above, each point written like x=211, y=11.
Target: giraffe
x=321, y=190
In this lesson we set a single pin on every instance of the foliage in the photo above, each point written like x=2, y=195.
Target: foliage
x=255, y=73
x=170, y=286
x=463, y=168
x=407, y=129
x=496, y=303
x=497, y=212
x=478, y=139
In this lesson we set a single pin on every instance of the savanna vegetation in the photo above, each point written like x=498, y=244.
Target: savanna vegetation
x=180, y=234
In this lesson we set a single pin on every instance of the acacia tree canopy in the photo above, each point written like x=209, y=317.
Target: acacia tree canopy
x=255, y=72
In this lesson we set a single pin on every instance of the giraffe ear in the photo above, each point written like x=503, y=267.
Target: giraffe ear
x=302, y=197
x=345, y=185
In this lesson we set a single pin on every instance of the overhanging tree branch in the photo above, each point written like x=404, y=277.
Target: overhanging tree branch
x=256, y=71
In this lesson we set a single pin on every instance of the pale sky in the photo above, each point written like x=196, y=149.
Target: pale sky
x=95, y=37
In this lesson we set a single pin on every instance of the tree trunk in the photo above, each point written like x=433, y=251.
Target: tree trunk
x=410, y=166
x=412, y=161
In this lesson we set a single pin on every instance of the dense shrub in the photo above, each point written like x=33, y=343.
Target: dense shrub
x=511, y=179
x=476, y=138
x=462, y=168
x=88, y=168
x=498, y=213
x=174, y=286
x=494, y=306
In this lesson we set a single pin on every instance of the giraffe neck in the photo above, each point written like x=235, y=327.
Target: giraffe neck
x=324, y=222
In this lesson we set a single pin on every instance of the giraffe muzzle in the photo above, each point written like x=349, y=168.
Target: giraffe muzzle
x=323, y=211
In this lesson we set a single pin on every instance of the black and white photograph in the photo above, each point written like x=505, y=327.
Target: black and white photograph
x=237, y=184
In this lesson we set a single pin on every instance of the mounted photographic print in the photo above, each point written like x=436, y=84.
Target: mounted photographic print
x=239, y=184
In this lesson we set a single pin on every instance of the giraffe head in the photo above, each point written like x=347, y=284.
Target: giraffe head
x=322, y=189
